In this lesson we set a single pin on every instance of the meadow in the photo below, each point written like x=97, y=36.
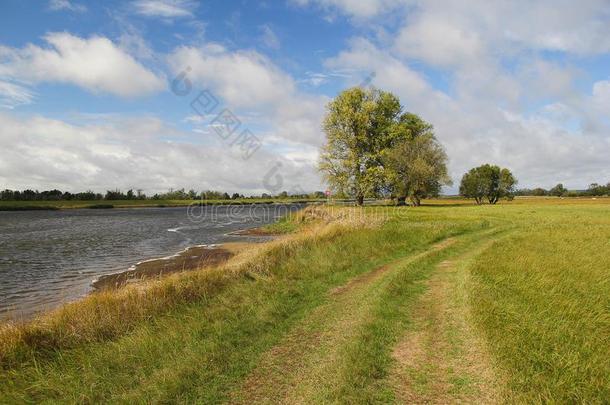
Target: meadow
x=446, y=302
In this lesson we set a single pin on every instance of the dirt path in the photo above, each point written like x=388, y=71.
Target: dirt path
x=303, y=367
x=442, y=359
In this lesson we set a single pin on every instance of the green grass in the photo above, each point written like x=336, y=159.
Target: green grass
x=543, y=298
x=283, y=226
x=271, y=325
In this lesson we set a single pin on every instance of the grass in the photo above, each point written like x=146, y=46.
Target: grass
x=318, y=315
x=543, y=298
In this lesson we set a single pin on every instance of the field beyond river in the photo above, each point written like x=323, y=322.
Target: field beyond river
x=444, y=303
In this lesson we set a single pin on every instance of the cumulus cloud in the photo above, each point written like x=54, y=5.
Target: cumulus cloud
x=95, y=64
x=242, y=78
x=249, y=82
x=165, y=8
x=437, y=40
x=134, y=153
x=451, y=32
x=389, y=72
x=601, y=97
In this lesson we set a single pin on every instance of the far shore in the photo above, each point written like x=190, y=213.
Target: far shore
x=103, y=204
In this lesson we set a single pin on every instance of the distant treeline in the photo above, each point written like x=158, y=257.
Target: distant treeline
x=594, y=189
x=114, y=195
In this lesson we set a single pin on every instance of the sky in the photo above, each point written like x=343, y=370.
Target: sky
x=229, y=95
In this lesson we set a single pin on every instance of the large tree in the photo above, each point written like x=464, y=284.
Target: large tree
x=359, y=125
x=487, y=182
x=417, y=167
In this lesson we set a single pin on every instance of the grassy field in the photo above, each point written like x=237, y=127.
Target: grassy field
x=442, y=303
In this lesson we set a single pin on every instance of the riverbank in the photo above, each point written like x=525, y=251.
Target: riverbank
x=109, y=204
x=191, y=258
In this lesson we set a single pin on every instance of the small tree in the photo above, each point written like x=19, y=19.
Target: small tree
x=487, y=182
x=417, y=168
x=539, y=192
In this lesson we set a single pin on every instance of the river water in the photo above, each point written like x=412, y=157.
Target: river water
x=51, y=257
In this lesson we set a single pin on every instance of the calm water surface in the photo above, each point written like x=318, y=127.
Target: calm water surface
x=51, y=257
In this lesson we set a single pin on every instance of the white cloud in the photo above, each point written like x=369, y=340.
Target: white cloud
x=13, y=95
x=249, y=82
x=453, y=32
x=545, y=78
x=438, y=41
x=389, y=72
x=95, y=64
x=165, y=8
x=133, y=153
x=241, y=78
x=58, y=5
x=601, y=97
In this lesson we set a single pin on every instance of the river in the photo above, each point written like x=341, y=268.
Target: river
x=51, y=257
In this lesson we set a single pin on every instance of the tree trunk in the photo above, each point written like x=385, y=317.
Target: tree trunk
x=401, y=201
x=416, y=201
x=360, y=200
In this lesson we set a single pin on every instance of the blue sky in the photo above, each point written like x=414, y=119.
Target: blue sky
x=86, y=98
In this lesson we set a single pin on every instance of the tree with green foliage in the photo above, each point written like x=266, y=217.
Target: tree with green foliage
x=359, y=125
x=417, y=168
x=487, y=182
x=596, y=189
x=473, y=185
x=559, y=190
x=539, y=192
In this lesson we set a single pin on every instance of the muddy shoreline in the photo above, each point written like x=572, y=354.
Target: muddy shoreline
x=191, y=258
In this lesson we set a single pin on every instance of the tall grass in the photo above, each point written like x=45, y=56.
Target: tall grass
x=543, y=299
